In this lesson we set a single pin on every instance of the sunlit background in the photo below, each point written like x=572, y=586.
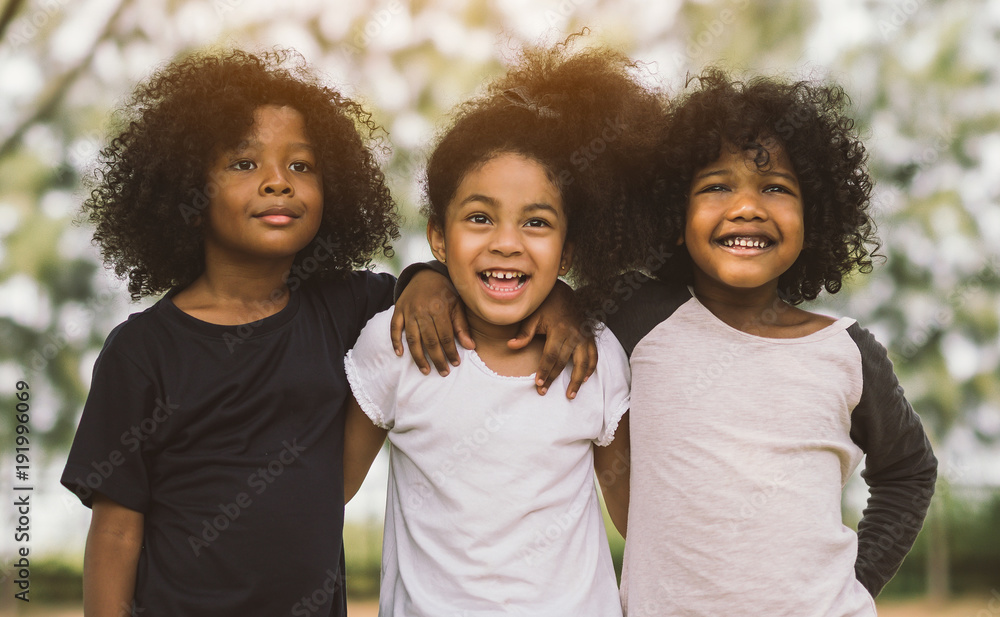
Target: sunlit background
x=924, y=79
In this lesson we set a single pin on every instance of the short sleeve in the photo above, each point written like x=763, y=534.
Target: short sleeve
x=107, y=454
x=614, y=377
x=372, y=293
x=374, y=370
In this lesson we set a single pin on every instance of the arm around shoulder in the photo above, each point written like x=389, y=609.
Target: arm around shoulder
x=112, y=555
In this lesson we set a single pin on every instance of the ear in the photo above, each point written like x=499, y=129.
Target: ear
x=435, y=238
x=566, y=260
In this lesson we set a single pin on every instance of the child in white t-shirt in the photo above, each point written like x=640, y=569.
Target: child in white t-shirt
x=492, y=506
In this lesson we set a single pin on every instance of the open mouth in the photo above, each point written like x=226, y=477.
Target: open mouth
x=503, y=280
x=745, y=242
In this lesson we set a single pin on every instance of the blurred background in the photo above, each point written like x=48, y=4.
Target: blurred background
x=924, y=78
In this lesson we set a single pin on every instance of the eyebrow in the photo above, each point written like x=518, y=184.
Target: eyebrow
x=489, y=201
x=724, y=172
x=247, y=144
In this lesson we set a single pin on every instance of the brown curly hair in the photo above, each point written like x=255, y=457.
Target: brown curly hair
x=811, y=124
x=151, y=181
x=587, y=119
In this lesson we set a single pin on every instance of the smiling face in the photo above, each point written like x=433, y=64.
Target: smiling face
x=503, y=240
x=268, y=203
x=744, y=226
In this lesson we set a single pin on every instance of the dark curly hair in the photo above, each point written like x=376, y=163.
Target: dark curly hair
x=810, y=122
x=584, y=116
x=151, y=182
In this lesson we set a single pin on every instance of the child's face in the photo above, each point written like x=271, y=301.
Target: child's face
x=744, y=226
x=504, y=239
x=268, y=202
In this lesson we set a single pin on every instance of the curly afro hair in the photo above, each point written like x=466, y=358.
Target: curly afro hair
x=584, y=116
x=809, y=122
x=152, y=182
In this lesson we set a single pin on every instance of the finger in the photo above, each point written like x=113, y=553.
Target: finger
x=431, y=341
x=525, y=334
x=592, y=357
x=462, y=331
x=550, y=358
x=581, y=366
x=564, y=354
x=396, y=330
x=412, y=330
x=441, y=317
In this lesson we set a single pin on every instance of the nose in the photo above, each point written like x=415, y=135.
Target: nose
x=506, y=240
x=747, y=206
x=276, y=182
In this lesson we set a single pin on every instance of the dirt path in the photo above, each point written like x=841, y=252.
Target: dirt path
x=982, y=606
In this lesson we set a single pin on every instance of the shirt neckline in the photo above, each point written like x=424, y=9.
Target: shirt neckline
x=836, y=327
x=243, y=331
x=479, y=362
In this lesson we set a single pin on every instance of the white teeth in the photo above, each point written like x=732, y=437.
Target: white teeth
x=503, y=275
x=746, y=242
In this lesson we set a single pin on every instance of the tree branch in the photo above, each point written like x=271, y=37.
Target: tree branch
x=9, y=11
x=48, y=101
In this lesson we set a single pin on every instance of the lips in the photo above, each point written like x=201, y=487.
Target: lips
x=278, y=215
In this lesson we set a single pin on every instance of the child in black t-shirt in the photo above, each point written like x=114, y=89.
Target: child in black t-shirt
x=210, y=444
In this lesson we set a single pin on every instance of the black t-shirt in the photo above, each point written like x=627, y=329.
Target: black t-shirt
x=229, y=439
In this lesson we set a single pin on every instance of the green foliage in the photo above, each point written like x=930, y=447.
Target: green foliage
x=973, y=528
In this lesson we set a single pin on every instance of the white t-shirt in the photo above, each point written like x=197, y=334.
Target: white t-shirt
x=492, y=507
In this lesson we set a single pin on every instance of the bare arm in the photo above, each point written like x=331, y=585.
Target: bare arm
x=612, y=463
x=362, y=441
x=112, y=555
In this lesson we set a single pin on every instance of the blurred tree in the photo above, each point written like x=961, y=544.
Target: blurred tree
x=923, y=77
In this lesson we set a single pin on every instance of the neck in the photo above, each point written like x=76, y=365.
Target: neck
x=493, y=335
x=232, y=293
x=751, y=310
x=246, y=282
